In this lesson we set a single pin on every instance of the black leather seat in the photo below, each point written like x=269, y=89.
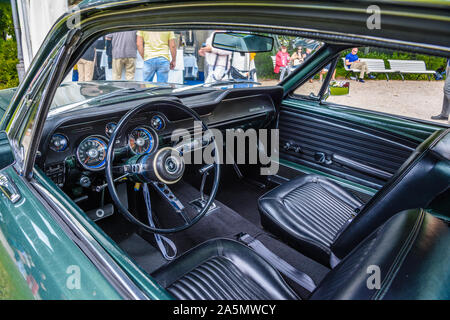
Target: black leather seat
x=322, y=220
x=223, y=269
x=410, y=250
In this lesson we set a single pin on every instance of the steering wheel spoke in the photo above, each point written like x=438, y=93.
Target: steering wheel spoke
x=170, y=197
x=121, y=170
x=158, y=168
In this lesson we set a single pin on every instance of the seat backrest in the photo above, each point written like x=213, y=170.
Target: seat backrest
x=408, y=65
x=423, y=177
x=406, y=258
x=374, y=64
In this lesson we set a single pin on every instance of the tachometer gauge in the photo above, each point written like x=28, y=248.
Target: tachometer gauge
x=59, y=142
x=91, y=153
x=142, y=140
x=109, y=129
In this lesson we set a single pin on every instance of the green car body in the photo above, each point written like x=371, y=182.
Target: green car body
x=46, y=256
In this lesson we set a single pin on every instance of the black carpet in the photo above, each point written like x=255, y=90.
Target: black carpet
x=146, y=256
x=242, y=197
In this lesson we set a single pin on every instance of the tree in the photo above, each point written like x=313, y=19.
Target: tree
x=6, y=21
x=8, y=48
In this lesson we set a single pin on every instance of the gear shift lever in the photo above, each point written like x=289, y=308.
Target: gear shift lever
x=199, y=204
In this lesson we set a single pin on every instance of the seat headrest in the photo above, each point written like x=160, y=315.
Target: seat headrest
x=441, y=146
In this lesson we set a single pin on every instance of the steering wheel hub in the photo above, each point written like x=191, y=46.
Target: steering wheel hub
x=168, y=165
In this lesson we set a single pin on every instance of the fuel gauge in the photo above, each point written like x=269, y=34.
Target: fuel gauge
x=109, y=129
x=59, y=142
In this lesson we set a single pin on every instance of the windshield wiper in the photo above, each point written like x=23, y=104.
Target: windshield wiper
x=216, y=83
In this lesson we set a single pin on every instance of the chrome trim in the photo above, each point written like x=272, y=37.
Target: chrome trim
x=9, y=188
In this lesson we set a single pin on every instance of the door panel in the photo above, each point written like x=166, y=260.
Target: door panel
x=363, y=147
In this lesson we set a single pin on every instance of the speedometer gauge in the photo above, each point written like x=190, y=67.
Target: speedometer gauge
x=142, y=140
x=91, y=153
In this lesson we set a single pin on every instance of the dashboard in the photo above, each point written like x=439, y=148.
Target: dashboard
x=88, y=142
x=74, y=146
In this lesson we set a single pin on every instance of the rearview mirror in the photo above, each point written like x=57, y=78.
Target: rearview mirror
x=242, y=42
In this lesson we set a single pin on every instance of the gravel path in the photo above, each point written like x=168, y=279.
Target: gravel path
x=416, y=99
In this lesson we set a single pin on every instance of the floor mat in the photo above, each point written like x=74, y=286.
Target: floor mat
x=146, y=256
x=222, y=222
x=242, y=197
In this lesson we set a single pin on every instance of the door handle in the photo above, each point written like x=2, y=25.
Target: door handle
x=322, y=158
x=8, y=188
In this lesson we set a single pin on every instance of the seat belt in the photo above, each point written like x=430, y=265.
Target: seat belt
x=159, y=239
x=285, y=268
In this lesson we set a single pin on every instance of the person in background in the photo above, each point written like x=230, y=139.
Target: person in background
x=124, y=49
x=86, y=64
x=352, y=62
x=308, y=52
x=297, y=57
x=99, y=63
x=446, y=103
x=282, y=62
x=218, y=60
x=155, y=48
x=325, y=71
x=252, y=73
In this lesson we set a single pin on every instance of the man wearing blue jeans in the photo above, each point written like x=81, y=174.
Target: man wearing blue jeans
x=155, y=47
x=446, y=104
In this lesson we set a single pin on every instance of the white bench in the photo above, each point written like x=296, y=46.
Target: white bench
x=373, y=65
x=410, y=66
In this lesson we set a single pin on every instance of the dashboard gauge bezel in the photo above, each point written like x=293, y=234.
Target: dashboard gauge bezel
x=62, y=135
x=102, y=165
x=106, y=128
x=153, y=135
x=163, y=120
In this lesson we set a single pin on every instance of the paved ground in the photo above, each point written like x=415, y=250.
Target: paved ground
x=417, y=99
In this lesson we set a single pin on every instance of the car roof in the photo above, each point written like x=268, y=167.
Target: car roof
x=418, y=3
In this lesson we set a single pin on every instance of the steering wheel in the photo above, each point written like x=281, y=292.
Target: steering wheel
x=160, y=168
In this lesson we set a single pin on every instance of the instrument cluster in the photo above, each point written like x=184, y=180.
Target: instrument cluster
x=91, y=151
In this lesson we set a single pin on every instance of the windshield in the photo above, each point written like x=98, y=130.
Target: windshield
x=177, y=61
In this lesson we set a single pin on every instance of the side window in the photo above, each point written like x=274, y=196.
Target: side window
x=393, y=82
x=312, y=87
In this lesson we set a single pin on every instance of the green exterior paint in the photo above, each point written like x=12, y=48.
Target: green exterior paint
x=299, y=5
x=41, y=252
x=141, y=278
